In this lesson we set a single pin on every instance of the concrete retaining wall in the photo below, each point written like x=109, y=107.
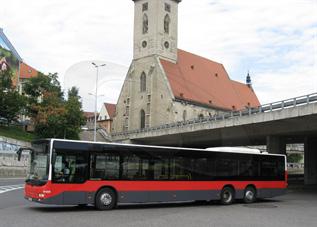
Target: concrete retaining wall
x=9, y=164
x=11, y=167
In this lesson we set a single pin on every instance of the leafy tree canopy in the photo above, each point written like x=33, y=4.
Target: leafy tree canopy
x=11, y=102
x=294, y=158
x=52, y=114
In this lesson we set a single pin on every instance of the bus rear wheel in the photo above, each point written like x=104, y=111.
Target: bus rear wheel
x=227, y=196
x=106, y=199
x=249, y=195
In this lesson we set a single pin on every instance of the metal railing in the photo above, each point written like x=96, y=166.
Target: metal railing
x=274, y=106
x=103, y=132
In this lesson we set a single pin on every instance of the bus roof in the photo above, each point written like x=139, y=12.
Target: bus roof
x=237, y=149
x=213, y=149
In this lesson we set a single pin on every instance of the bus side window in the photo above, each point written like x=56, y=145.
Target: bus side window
x=104, y=166
x=226, y=168
x=98, y=165
x=269, y=168
x=135, y=167
x=281, y=168
x=160, y=168
x=200, y=168
x=70, y=167
x=179, y=168
x=112, y=166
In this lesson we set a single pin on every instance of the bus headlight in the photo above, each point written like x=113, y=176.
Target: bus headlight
x=41, y=195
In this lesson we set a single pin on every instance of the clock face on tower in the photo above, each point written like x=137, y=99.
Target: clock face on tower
x=144, y=44
x=166, y=44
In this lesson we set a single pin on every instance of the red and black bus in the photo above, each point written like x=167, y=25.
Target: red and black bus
x=68, y=172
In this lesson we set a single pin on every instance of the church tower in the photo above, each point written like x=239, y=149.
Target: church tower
x=155, y=29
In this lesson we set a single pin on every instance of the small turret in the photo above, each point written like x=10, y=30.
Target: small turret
x=248, y=80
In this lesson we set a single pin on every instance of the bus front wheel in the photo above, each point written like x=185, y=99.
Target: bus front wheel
x=227, y=196
x=106, y=199
x=249, y=195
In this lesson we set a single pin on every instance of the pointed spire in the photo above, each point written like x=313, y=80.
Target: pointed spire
x=248, y=80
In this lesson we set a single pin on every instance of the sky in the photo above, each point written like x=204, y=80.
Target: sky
x=276, y=40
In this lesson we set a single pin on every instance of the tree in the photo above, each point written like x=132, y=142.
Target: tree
x=74, y=116
x=53, y=116
x=11, y=102
x=294, y=158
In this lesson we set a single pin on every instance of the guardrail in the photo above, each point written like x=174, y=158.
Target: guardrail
x=274, y=106
x=103, y=132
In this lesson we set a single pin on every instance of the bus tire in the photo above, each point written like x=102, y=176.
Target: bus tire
x=227, y=196
x=249, y=194
x=106, y=199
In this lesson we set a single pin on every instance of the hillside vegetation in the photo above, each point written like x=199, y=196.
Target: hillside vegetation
x=15, y=132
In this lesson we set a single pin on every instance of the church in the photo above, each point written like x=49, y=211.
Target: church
x=165, y=84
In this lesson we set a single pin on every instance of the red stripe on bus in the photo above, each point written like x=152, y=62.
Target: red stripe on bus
x=51, y=189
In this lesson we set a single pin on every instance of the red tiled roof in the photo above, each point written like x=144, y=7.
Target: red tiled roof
x=200, y=80
x=89, y=114
x=111, y=108
x=27, y=71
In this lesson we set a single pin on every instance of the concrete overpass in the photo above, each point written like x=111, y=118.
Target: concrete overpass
x=275, y=125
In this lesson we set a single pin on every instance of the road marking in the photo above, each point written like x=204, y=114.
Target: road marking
x=8, y=188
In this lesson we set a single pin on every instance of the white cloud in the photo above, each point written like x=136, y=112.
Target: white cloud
x=274, y=39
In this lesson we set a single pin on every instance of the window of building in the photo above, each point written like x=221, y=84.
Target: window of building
x=145, y=24
x=127, y=108
x=148, y=108
x=184, y=115
x=145, y=7
x=147, y=121
x=167, y=22
x=143, y=82
x=142, y=119
x=126, y=124
x=167, y=7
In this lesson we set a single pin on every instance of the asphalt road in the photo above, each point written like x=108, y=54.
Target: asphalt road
x=297, y=208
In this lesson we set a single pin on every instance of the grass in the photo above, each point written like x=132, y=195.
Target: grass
x=16, y=132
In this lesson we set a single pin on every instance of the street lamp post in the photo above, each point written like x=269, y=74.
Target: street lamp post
x=96, y=97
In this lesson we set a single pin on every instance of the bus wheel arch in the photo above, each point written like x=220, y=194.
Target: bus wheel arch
x=250, y=194
x=106, y=198
x=227, y=195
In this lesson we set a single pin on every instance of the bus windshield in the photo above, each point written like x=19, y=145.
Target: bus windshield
x=39, y=164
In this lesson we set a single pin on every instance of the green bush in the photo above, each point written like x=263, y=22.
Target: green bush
x=294, y=158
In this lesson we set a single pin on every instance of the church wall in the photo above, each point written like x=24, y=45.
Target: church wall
x=155, y=101
x=184, y=111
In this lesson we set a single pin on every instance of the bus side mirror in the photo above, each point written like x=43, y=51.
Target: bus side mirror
x=21, y=149
x=19, y=153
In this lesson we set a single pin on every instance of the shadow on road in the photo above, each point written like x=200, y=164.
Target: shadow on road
x=215, y=204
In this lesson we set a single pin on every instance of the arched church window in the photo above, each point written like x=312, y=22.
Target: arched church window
x=167, y=22
x=184, y=115
x=143, y=82
x=145, y=24
x=142, y=119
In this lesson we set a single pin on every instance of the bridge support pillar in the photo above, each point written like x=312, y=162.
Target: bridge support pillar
x=275, y=145
x=310, y=160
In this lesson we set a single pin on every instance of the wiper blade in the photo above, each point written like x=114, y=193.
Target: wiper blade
x=35, y=182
